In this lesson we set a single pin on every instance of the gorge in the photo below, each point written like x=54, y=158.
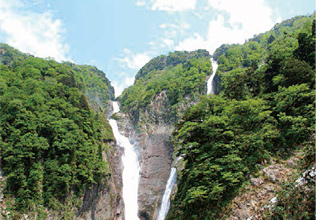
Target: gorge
x=130, y=170
x=165, y=148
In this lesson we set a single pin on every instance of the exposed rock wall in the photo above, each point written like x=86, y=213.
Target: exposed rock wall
x=151, y=134
x=155, y=162
x=262, y=189
x=105, y=201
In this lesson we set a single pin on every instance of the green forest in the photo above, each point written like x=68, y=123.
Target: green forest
x=181, y=74
x=54, y=132
x=51, y=141
x=265, y=108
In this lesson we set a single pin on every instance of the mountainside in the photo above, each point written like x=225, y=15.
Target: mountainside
x=57, y=147
x=245, y=152
x=263, y=114
x=182, y=75
x=281, y=40
x=163, y=89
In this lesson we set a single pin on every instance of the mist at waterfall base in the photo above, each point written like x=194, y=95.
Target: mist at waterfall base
x=210, y=89
x=130, y=171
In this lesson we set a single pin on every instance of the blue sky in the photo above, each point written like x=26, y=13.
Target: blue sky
x=120, y=36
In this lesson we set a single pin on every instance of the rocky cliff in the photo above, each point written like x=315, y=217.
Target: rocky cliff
x=54, y=124
x=152, y=141
x=149, y=123
x=104, y=201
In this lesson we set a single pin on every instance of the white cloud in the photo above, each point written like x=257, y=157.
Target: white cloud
x=192, y=43
x=35, y=33
x=173, y=5
x=134, y=61
x=168, y=5
x=140, y=3
x=120, y=86
x=246, y=18
x=253, y=15
x=126, y=67
x=181, y=26
x=168, y=42
x=128, y=64
x=164, y=26
x=171, y=32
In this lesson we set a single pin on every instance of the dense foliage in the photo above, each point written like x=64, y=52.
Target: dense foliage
x=51, y=141
x=181, y=74
x=266, y=107
x=281, y=40
x=93, y=82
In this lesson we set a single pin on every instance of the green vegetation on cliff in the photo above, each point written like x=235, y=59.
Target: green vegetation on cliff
x=265, y=108
x=234, y=60
x=181, y=74
x=51, y=141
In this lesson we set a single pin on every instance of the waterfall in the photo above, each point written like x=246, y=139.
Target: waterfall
x=165, y=203
x=130, y=171
x=210, y=89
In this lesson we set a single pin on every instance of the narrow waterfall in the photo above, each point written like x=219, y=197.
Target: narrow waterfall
x=130, y=171
x=165, y=204
x=210, y=89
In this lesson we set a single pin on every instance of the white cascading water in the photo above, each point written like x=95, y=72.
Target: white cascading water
x=165, y=203
x=130, y=171
x=210, y=80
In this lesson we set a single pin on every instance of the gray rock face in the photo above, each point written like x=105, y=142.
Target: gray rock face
x=105, y=201
x=276, y=172
x=256, y=181
x=155, y=165
x=151, y=136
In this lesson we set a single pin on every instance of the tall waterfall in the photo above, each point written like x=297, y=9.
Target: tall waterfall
x=210, y=89
x=165, y=204
x=130, y=171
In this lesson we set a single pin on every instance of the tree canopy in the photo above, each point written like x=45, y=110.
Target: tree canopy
x=181, y=74
x=51, y=141
x=265, y=106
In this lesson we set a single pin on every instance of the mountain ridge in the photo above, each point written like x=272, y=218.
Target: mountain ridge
x=54, y=123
